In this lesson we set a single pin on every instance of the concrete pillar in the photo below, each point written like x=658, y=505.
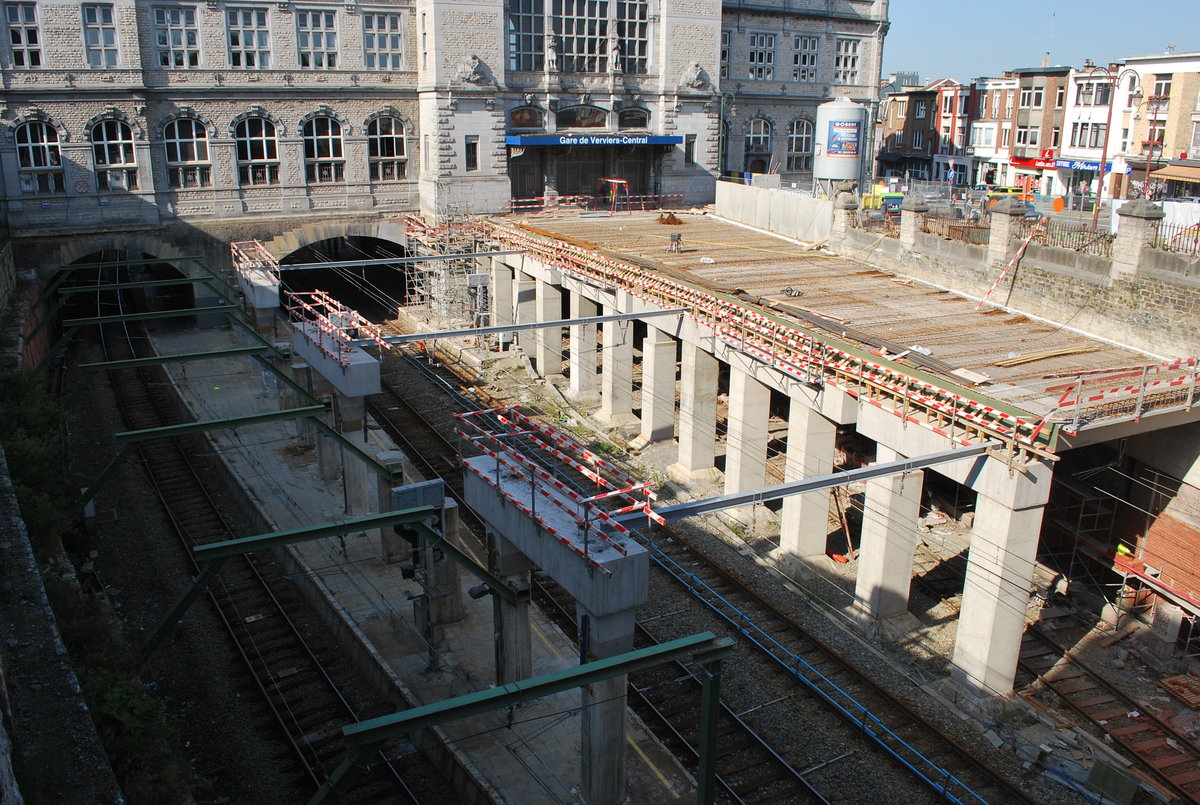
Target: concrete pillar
x=514, y=644
x=1000, y=564
x=358, y=481
x=1006, y=214
x=548, y=354
x=1135, y=232
x=583, y=349
x=290, y=397
x=525, y=299
x=393, y=547
x=616, y=372
x=329, y=452
x=889, y=537
x=845, y=211
x=444, y=575
x=658, y=387
x=603, y=705
x=697, y=417
x=912, y=213
x=746, y=444
x=502, y=298
x=811, y=441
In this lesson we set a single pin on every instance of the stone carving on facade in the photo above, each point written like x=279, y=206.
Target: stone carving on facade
x=614, y=55
x=551, y=54
x=475, y=72
x=695, y=79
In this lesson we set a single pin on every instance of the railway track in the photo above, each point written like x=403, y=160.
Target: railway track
x=1165, y=755
x=293, y=672
x=893, y=730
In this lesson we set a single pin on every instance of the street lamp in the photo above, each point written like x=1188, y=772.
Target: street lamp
x=1152, y=103
x=727, y=99
x=1113, y=82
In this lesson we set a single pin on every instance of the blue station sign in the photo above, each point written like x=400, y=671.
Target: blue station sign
x=592, y=139
x=1082, y=165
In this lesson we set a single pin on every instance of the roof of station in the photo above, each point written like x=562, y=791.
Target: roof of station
x=1012, y=358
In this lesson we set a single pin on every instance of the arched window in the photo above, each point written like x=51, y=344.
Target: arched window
x=257, y=151
x=758, y=136
x=186, y=141
x=800, y=146
x=633, y=119
x=527, y=117
x=581, y=117
x=323, y=161
x=112, y=151
x=38, y=158
x=386, y=156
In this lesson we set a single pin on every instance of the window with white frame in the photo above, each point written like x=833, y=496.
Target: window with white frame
x=901, y=107
x=176, y=38
x=898, y=139
x=804, y=60
x=1195, y=137
x=725, y=54
x=1156, y=133
x=112, y=151
x=257, y=151
x=920, y=109
x=918, y=140
x=39, y=160
x=845, y=61
x=1162, y=85
x=24, y=37
x=1059, y=94
x=1027, y=135
x=1055, y=137
x=800, y=146
x=984, y=136
x=316, y=39
x=761, y=57
x=526, y=34
x=383, y=42
x=186, y=143
x=1031, y=97
x=323, y=159
x=758, y=136
x=1093, y=93
x=386, y=157
x=947, y=104
x=1005, y=137
x=249, y=38
x=100, y=36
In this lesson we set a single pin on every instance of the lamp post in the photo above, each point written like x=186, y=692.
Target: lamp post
x=727, y=99
x=1113, y=81
x=1152, y=103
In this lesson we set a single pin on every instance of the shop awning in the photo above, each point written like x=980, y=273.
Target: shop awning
x=1185, y=173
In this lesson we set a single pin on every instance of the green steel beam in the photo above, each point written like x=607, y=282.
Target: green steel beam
x=305, y=394
x=232, y=547
x=156, y=314
x=121, y=286
x=150, y=261
x=180, y=358
x=217, y=424
x=207, y=573
x=354, y=449
x=60, y=344
x=710, y=706
x=46, y=319
x=495, y=583
x=365, y=738
x=107, y=472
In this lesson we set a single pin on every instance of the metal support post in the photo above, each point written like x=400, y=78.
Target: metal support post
x=710, y=708
x=207, y=573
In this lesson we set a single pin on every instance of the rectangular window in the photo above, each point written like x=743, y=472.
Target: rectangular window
x=920, y=110
x=316, y=39
x=804, y=60
x=918, y=141
x=25, y=42
x=100, y=36
x=1055, y=137
x=426, y=153
x=689, y=149
x=582, y=28
x=1026, y=98
x=1059, y=94
x=761, y=57
x=901, y=108
x=383, y=42
x=471, y=152
x=176, y=38
x=1162, y=93
x=898, y=139
x=1005, y=136
x=947, y=104
x=1195, y=139
x=633, y=35
x=845, y=62
x=526, y=34
x=1027, y=135
x=1037, y=97
x=249, y=38
x=724, y=54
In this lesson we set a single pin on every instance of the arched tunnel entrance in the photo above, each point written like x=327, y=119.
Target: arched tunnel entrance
x=375, y=291
x=153, y=285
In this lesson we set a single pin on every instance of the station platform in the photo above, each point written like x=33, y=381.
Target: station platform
x=529, y=756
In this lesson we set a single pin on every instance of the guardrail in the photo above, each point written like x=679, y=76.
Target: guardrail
x=1178, y=238
x=1077, y=237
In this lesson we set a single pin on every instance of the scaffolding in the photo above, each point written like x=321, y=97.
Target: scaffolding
x=451, y=290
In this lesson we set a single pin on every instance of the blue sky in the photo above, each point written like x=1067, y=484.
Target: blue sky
x=962, y=40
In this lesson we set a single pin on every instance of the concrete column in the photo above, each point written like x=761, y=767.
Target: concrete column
x=746, y=444
x=658, y=387
x=357, y=479
x=525, y=299
x=1135, y=232
x=548, y=354
x=290, y=397
x=393, y=547
x=329, y=452
x=583, y=349
x=1005, y=214
x=889, y=537
x=603, y=706
x=845, y=211
x=444, y=575
x=912, y=213
x=502, y=298
x=1000, y=565
x=514, y=645
x=811, y=441
x=697, y=417
x=616, y=372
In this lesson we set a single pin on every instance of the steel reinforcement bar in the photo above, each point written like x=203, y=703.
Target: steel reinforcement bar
x=801, y=354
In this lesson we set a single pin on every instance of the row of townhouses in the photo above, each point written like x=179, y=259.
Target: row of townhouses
x=136, y=112
x=1052, y=127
